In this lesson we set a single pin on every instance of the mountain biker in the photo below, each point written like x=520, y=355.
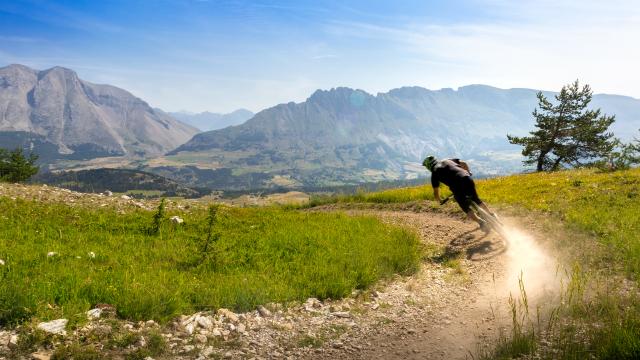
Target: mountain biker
x=456, y=175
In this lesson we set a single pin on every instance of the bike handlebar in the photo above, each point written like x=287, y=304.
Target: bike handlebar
x=444, y=201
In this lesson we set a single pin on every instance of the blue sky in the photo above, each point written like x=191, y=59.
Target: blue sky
x=220, y=55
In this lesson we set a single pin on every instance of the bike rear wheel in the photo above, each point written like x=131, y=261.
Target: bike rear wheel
x=491, y=220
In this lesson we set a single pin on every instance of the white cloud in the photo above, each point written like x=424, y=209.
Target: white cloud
x=543, y=46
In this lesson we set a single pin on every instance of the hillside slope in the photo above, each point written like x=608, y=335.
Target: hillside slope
x=63, y=116
x=138, y=183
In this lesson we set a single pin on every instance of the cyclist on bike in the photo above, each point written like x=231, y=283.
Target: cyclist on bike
x=456, y=175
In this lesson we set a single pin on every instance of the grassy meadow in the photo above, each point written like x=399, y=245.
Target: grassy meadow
x=250, y=256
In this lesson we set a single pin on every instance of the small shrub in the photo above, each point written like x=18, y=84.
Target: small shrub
x=212, y=234
x=77, y=352
x=309, y=341
x=125, y=339
x=31, y=339
x=158, y=218
x=156, y=344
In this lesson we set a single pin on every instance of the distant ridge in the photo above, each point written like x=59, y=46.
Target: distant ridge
x=207, y=121
x=118, y=180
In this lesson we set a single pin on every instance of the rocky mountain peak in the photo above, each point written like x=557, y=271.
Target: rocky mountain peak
x=55, y=109
x=343, y=99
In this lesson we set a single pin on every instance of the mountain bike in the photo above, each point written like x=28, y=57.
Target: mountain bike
x=490, y=219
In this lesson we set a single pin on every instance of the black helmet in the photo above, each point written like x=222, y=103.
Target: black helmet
x=430, y=162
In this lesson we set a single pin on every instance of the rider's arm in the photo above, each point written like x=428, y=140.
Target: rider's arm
x=464, y=165
x=435, y=184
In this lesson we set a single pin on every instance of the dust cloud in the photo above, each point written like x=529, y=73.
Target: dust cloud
x=528, y=261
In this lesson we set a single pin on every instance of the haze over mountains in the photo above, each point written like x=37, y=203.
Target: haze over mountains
x=207, y=121
x=66, y=117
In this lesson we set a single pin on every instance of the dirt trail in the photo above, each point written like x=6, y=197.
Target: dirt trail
x=450, y=310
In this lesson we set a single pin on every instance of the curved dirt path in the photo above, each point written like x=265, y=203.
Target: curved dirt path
x=450, y=309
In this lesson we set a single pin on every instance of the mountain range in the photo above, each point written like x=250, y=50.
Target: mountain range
x=64, y=117
x=347, y=136
x=340, y=136
x=207, y=121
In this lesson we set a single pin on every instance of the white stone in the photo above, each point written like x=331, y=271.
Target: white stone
x=91, y=255
x=108, y=193
x=54, y=327
x=204, y=322
x=228, y=314
x=263, y=311
x=94, y=313
x=13, y=341
x=176, y=220
x=125, y=197
x=216, y=332
x=312, y=304
x=341, y=314
x=184, y=320
x=1, y=262
x=51, y=253
x=207, y=352
x=41, y=355
x=190, y=328
x=201, y=339
x=241, y=329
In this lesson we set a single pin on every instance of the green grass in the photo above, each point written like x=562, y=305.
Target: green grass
x=261, y=255
x=390, y=196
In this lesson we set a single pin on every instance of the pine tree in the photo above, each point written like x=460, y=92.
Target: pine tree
x=623, y=155
x=567, y=132
x=15, y=166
